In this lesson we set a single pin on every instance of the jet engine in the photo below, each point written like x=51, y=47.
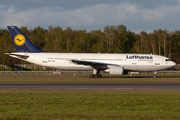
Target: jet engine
x=115, y=70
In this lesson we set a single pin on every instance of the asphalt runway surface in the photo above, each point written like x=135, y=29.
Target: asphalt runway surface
x=90, y=86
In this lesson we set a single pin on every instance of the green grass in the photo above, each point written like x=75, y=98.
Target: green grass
x=83, y=74
x=61, y=79
x=103, y=104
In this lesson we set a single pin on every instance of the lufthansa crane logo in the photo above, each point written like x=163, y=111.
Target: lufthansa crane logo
x=19, y=39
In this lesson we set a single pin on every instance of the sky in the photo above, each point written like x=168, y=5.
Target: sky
x=136, y=15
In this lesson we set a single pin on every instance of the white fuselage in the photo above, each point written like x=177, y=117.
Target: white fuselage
x=131, y=62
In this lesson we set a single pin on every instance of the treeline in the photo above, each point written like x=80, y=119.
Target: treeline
x=112, y=39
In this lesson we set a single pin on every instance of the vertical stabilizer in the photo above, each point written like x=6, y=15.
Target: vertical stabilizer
x=21, y=42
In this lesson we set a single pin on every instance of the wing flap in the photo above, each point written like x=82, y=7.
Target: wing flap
x=96, y=65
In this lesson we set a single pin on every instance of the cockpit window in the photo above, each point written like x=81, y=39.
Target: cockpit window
x=168, y=60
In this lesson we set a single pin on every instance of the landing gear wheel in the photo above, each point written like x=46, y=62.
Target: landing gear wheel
x=92, y=76
x=100, y=76
x=96, y=76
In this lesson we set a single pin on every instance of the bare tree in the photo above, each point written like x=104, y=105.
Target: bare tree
x=143, y=36
x=164, y=33
x=153, y=42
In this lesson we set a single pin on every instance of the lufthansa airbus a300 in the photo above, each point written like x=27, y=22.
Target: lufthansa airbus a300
x=114, y=64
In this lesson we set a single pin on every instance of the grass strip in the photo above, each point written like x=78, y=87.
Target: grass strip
x=89, y=104
x=57, y=79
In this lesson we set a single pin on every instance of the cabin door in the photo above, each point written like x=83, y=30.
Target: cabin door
x=157, y=62
x=45, y=59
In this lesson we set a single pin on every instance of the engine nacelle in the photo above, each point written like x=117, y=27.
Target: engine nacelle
x=115, y=70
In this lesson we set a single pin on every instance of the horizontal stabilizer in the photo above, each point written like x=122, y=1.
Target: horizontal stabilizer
x=18, y=55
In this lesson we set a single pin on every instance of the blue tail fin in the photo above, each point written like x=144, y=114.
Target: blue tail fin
x=21, y=42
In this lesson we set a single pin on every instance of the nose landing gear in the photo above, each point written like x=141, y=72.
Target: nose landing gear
x=155, y=72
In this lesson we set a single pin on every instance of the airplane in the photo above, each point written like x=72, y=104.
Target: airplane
x=114, y=64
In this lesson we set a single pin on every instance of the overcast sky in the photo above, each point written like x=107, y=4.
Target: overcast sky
x=136, y=15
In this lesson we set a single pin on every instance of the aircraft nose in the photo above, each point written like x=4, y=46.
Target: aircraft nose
x=173, y=64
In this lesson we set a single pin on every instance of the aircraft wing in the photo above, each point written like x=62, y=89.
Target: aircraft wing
x=96, y=65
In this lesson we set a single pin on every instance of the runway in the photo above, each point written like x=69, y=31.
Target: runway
x=89, y=86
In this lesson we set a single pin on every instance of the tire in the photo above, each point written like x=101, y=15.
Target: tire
x=92, y=76
x=100, y=76
x=96, y=76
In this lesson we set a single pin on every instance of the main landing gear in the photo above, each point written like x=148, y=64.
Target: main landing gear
x=96, y=74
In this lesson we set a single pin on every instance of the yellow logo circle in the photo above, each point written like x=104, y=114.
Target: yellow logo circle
x=19, y=39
